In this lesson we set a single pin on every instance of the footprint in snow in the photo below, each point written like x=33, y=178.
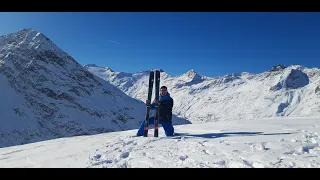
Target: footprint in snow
x=124, y=155
x=183, y=157
x=98, y=156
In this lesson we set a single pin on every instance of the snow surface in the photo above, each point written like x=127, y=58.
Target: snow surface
x=282, y=142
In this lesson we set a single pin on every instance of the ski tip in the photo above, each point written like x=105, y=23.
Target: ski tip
x=160, y=70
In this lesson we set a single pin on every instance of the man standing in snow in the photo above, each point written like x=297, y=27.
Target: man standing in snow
x=165, y=111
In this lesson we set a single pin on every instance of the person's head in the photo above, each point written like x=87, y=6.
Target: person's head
x=163, y=90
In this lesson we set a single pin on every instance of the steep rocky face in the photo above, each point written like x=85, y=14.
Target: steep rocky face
x=294, y=79
x=278, y=67
x=46, y=94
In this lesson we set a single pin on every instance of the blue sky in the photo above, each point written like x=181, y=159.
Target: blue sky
x=211, y=43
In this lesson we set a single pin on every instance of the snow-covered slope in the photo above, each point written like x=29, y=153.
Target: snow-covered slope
x=281, y=91
x=45, y=94
x=280, y=142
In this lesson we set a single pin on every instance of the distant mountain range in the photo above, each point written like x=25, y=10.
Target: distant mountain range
x=281, y=91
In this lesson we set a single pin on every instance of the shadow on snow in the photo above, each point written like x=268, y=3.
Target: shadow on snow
x=225, y=134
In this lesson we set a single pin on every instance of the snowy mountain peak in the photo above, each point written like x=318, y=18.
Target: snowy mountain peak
x=291, y=79
x=192, y=75
x=30, y=30
x=46, y=94
x=191, y=71
x=97, y=68
x=230, y=77
x=90, y=65
x=278, y=67
x=28, y=39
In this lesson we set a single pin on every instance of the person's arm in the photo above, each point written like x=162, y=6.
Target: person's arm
x=171, y=106
x=152, y=106
x=171, y=103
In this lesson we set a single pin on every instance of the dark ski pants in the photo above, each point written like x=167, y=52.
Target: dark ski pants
x=167, y=126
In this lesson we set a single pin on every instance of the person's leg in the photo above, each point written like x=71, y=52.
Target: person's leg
x=168, y=128
x=141, y=128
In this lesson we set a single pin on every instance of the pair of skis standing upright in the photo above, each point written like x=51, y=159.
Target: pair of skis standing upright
x=153, y=77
